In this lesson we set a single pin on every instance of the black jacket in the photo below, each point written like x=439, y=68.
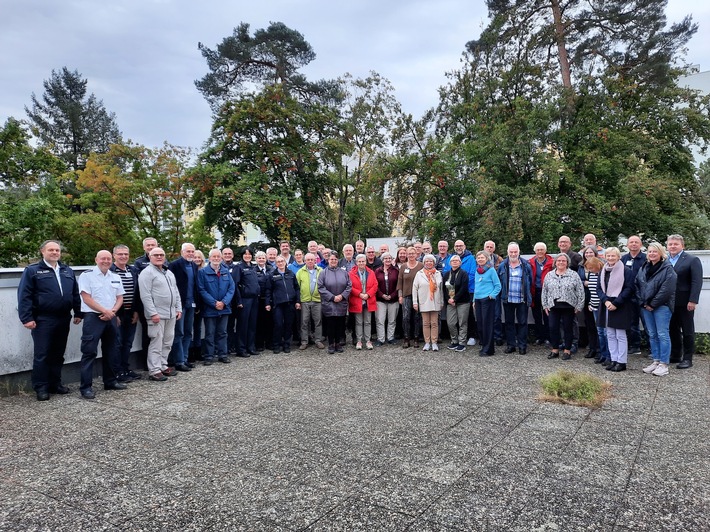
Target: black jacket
x=247, y=281
x=179, y=269
x=460, y=282
x=658, y=290
x=689, y=270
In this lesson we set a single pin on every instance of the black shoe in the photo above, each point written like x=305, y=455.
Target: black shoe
x=509, y=350
x=452, y=346
x=88, y=394
x=619, y=367
x=60, y=389
x=123, y=377
x=574, y=349
x=287, y=349
x=379, y=344
x=607, y=362
x=277, y=351
x=553, y=354
x=338, y=348
x=392, y=341
x=523, y=351
x=499, y=342
x=259, y=349
x=243, y=355
x=611, y=366
x=598, y=360
x=685, y=364
x=207, y=362
x=42, y=395
x=190, y=365
x=225, y=360
x=116, y=386
x=331, y=349
x=182, y=367
x=539, y=342
x=252, y=353
x=566, y=356
x=590, y=354
x=135, y=376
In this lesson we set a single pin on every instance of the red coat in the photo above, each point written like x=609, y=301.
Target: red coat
x=355, y=301
x=547, y=267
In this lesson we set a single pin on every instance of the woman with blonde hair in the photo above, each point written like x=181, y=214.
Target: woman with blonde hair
x=655, y=291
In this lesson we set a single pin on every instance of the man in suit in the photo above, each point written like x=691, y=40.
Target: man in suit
x=689, y=271
x=185, y=272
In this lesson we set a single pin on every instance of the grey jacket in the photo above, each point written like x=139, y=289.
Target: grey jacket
x=567, y=288
x=334, y=282
x=159, y=293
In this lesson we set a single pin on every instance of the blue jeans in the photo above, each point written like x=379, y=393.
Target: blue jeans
x=603, y=345
x=183, y=336
x=216, y=336
x=657, y=323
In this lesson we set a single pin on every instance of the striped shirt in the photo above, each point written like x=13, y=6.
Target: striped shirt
x=592, y=279
x=127, y=281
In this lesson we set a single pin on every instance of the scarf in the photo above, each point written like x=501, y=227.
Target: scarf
x=431, y=277
x=616, y=279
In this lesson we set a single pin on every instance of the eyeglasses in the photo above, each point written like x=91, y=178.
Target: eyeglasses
x=157, y=254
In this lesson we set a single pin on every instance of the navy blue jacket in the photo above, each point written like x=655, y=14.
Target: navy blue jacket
x=38, y=294
x=504, y=275
x=179, y=269
x=282, y=288
x=248, y=284
x=263, y=278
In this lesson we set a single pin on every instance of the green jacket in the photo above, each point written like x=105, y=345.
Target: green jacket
x=304, y=283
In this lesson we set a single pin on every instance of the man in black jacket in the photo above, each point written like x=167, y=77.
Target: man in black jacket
x=689, y=271
x=47, y=295
x=185, y=272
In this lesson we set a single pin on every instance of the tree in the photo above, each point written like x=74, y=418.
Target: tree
x=272, y=56
x=69, y=122
x=128, y=193
x=603, y=147
x=30, y=201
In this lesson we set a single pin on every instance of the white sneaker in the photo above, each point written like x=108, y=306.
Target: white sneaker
x=471, y=341
x=434, y=347
x=652, y=367
x=427, y=347
x=368, y=345
x=358, y=346
x=661, y=370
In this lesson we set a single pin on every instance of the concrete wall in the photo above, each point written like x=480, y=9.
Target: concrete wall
x=16, y=342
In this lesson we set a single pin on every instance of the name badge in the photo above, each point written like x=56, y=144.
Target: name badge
x=515, y=273
x=406, y=270
x=630, y=262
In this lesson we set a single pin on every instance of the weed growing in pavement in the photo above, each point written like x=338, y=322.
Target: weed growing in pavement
x=579, y=389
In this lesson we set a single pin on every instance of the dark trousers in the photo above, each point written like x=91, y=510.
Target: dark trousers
x=145, y=340
x=334, y=329
x=411, y=320
x=283, y=324
x=196, y=344
x=497, y=323
x=50, y=342
x=485, y=316
x=516, y=324
x=232, y=331
x=246, y=321
x=216, y=336
x=542, y=325
x=95, y=330
x=124, y=340
x=264, y=326
x=563, y=317
x=183, y=337
x=682, y=333
x=591, y=325
x=633, y=333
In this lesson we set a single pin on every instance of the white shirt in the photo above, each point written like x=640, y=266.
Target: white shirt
x=103, y=288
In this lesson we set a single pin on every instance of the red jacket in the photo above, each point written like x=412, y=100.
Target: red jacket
x=546, y=268
x=355, y=301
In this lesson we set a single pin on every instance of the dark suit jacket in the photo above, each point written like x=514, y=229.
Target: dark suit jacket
x=179, y=269
x=689, y=270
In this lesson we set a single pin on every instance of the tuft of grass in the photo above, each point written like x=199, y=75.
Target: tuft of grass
x=580, y=389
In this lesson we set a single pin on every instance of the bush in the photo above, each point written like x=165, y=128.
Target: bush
x=702, y=343
x=579, y=389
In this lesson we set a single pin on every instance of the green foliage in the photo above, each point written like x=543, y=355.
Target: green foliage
x=702, y=343
x=70, y=123
x=574, y=388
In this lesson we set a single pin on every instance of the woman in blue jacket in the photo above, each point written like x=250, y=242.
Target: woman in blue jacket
x=283, y=298
x=216, y=288
x=487, y=287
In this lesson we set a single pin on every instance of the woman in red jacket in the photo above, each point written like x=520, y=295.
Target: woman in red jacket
x=362, y=300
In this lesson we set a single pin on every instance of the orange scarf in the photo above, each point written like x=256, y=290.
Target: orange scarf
x=431, y=277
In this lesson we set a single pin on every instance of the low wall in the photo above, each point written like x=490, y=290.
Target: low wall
x=16, y=342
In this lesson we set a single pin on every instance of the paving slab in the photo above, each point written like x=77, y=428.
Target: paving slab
x=389, y=439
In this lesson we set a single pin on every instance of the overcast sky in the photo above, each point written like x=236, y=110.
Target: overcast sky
x=141, y=57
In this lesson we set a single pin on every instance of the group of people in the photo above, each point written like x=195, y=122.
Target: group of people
x=196, y=308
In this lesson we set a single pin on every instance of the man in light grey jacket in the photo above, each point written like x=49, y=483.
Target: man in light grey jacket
x=162, y=307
